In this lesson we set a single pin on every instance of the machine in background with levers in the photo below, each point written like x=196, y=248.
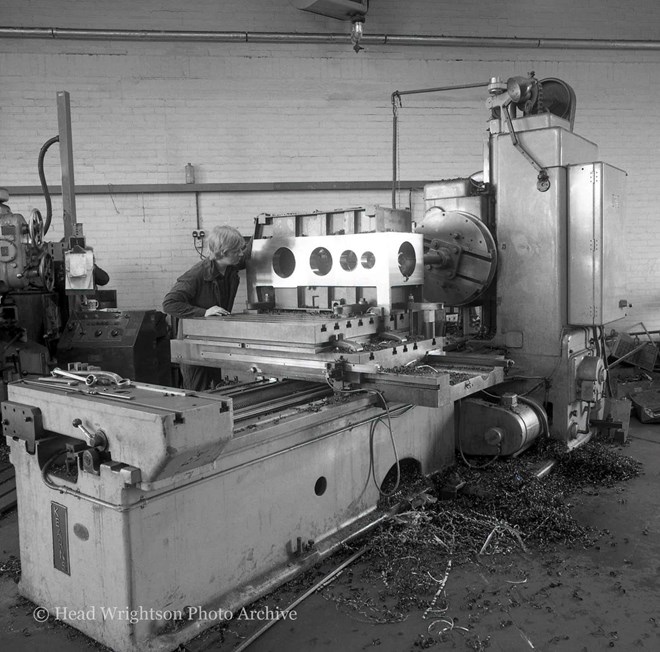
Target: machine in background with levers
x=157, y=500
x=39, y=279
x=48, y=292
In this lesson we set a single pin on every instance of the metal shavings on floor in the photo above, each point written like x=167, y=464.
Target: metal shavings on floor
x=4, y=452
x=597, y=463
x=11, y=567
x=500, y=510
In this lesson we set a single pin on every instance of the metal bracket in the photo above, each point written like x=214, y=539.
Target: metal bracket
x=22, y=422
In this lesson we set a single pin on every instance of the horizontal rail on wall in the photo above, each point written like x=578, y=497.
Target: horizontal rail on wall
x=306, y=37
x=166, y=188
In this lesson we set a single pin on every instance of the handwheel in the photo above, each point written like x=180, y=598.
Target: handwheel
x=46, y=272
x=36, y=228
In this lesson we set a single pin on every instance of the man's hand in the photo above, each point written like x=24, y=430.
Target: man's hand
x=216, y=311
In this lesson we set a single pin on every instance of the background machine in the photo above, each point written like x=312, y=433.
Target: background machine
x=50, y=308
x=179, y=506
x=41, y=282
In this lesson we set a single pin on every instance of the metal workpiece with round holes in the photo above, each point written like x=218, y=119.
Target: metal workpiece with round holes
x=460, y=256
x=381, y=267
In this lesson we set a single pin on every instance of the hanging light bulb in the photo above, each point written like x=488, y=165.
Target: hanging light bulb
x=357, y=32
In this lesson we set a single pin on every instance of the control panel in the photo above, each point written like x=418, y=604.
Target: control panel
x=132, y=343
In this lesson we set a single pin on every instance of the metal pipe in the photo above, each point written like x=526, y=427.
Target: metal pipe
x=322, y=583
x=395, y=145
x=305, y=37
x=396, y=103
x=66, y=164
x=256, y=186
x=440, y=89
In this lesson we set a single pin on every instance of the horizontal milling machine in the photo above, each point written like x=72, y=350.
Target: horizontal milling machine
x=157, y=500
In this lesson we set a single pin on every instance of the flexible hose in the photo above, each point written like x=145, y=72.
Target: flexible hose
x=477, y=467
x=42, y=179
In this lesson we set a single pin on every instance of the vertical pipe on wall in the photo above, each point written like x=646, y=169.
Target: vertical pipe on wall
x=396, y=98
x=197, y=211
x=395, y=153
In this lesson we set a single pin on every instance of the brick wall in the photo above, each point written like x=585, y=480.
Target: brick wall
x=249, y=112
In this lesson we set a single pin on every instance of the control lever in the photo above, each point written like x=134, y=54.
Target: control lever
x=96, y=440
x=67, y=374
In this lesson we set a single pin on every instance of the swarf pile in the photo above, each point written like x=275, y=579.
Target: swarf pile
x=499, y=509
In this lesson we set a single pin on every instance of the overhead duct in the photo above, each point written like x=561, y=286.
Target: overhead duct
x=340, y=9
x=353, y=10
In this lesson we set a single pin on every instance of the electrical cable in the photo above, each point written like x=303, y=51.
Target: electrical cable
x=531, y=390
x=63, y=489
x=460, y=446
x=596, y=342
x=474, y=466
x=372, y=466
x=490, y=394
x=605, y=362
x=42, y=179
x=199, y=249
x=45, y=469
x=371, y=473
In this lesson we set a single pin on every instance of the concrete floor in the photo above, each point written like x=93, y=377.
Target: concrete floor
x=566, y=600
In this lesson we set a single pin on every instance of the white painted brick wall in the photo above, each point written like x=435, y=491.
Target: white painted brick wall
x=295, y=112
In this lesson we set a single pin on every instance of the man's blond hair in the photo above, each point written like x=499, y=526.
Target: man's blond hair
x=223, y=240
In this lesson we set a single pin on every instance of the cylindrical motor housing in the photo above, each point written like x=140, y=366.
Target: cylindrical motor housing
x=504, y=428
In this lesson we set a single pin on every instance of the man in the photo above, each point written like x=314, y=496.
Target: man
x=208, y=289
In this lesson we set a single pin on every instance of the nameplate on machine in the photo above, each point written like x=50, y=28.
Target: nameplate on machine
x=60, y=522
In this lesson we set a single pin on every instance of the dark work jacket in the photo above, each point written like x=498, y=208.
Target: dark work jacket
x=201, y=287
